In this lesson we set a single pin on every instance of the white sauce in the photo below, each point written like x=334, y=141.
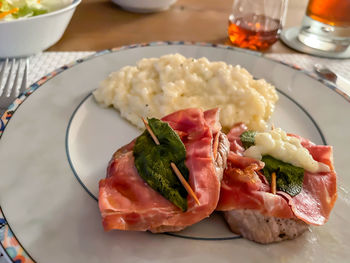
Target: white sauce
x=156, y=87
x=285, y=148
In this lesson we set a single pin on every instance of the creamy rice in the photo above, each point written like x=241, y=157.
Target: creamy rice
x=156, y=87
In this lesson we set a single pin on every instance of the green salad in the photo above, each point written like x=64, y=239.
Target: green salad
x=14, y=9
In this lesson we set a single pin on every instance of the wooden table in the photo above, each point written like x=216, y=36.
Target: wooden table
x=100, y=24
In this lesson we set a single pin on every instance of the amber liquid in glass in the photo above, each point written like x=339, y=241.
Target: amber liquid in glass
x=256, y=32
x=331, y=12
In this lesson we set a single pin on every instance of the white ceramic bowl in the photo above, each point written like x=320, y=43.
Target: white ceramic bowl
x=144, y=6
x=27, y=36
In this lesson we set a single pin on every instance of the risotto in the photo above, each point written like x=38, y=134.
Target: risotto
x=156, y=87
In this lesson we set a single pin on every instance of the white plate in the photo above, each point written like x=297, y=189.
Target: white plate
x=144, y=6
x=58, y=142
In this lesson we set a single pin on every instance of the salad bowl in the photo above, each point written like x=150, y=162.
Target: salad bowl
x=30, y=35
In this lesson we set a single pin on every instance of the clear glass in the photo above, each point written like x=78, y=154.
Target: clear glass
x=326, y=25
x=256, y=24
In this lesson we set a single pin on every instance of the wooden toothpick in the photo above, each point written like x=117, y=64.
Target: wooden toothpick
x=155, y=139
x=273, y=183
x=215, y=146
x=184, y=182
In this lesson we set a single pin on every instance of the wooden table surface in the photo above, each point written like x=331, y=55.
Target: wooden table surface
x=100, y=24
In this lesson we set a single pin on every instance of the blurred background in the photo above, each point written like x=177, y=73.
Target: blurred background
x=101, y=24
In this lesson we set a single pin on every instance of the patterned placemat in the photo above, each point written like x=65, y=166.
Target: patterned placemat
x=306, y=62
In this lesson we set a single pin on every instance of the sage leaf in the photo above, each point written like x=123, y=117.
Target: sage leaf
x=289, y=178
x=153, y=162
x=248, y=138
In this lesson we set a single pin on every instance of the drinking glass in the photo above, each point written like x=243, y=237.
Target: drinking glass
x=256, y=24
x=326, y=25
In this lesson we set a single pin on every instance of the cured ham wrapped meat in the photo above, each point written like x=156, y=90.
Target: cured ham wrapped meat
x=127, y=202
x=254, y=212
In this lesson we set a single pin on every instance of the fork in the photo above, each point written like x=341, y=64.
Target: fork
x=327, y=74
x=10, y=91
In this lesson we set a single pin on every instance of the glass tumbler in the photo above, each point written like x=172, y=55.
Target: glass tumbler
x=326, y=25
x=256, y=24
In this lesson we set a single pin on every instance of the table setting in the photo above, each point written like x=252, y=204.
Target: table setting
x=59, y=60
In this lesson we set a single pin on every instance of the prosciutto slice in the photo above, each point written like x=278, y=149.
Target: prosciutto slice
x=126, y=201
x=243, y=187
x=316, y=200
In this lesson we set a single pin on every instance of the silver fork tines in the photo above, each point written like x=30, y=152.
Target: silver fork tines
x=10, y=90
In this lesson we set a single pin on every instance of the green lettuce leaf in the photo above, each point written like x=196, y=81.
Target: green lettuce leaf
x=26, y=8
x=28, y=11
